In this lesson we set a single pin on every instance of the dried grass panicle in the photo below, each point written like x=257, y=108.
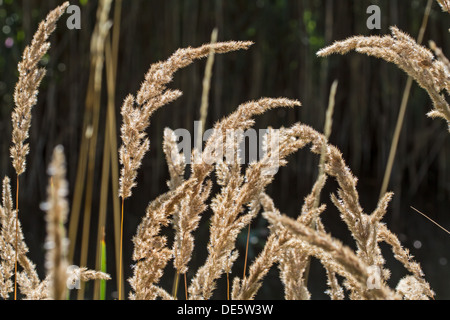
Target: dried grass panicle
x=440, y=55
x=87, y=275
x=8, y=245
x=163, y=294
x=290, y=140
x=273, y=252
x=247, y=288
x=26, y=90
x=294, y=263
x=152, y=95
x=228, y=206
x=223, y=232
x=150, y=249
x=28, y=279
x=410, y=288
x=403, y=255
x=186, y=221
x=335, y=291
x=366, y=229
x=324, y=247
x=176, y=161
x=54, y=286
x=30, y=286
x=359, y=223
x=7, y=240
x=39, y=291
x=147, y=242
x=416, y=60
x=188, y=212
x=25, y=97
x=291, y=263
x=238, y=191
x=57, y=211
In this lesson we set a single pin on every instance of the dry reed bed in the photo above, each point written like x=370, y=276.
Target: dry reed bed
x=241, y=196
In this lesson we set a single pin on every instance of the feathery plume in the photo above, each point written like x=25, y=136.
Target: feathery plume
x=402, y=255
x=28, y=280
x=8, y=244
x=366, y=229
x=26, y=91
x=227, y=221
x=152, y=95
x=25, y=97
x=145, y=250
x=412, y=289
x=87, y=275
x=322, y=245
x=7, y=236
x=57, y=211
x=293, y=264
x=150, y=249
x=416, y=60
x=247, y=288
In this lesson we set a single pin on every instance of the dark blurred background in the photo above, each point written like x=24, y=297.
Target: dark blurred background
x=283, y=62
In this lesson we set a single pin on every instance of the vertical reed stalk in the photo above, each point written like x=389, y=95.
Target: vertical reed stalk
x=79, y=181
x=185, y=286
x=206, y=88
x=103, y=268
x=110, y=161
x=112, y=67
x=228, y=286
x=402, y=112
x=103, y=207
x=246, y=251
x=97, y=53
x=175, y=285
x=17, y=238
x=121, y=252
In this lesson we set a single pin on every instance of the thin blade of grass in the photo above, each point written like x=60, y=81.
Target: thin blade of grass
x=103, y=269
x=434, y=222
x=111, y=69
